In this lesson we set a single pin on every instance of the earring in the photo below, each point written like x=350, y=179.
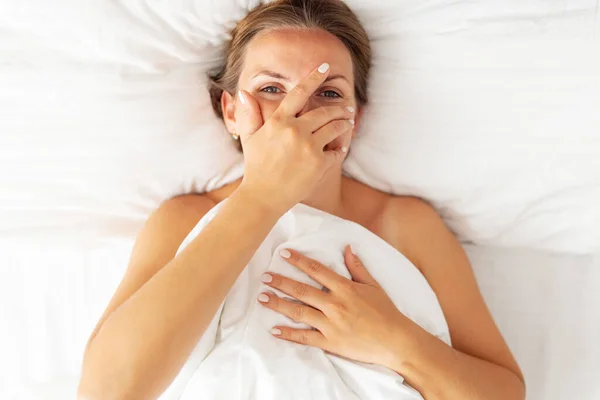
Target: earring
x=235, y=136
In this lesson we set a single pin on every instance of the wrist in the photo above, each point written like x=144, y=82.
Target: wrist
x=413, y=354
x=403, y=346
x=253, y=197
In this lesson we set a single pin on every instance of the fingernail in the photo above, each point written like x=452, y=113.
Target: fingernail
x=350, y=248
x=267, y=278
x=351, y=121
x=242, y=96
x=285, y=253
x=263, y=298
x=344, y=149
x=350, y=109
x=276, y=331
x=323, y=68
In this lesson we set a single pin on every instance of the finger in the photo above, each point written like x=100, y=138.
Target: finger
x=332, y=131
x=248, y=118
x=296, y=99
x=334, y=157
x=294, y=311
x=301, y=336
x=305, y=293
x=319, y=117
x=313, y=268
x=357, y=269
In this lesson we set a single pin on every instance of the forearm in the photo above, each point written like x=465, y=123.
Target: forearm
x=440, y=372
x=142, y=345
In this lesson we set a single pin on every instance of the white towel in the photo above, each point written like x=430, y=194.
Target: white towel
x=237, y=357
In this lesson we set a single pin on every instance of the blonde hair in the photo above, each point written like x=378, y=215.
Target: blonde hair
x=332, y=16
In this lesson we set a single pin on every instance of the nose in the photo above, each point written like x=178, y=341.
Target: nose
x=311, y=104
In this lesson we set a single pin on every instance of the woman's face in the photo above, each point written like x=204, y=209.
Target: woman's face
x=277, y=61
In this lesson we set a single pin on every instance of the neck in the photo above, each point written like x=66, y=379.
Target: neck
x=327, y=194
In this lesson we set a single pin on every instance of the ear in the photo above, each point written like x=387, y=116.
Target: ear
x=228, y=107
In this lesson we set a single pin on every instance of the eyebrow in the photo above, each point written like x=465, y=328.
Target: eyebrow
x=281, y=77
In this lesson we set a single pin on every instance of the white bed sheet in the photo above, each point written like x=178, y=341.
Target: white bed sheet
x=104, y=115
x=546, y=304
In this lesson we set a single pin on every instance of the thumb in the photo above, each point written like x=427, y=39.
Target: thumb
x=357, y=269
x=248, y=118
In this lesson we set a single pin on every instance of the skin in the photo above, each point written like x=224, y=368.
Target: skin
x=272, y=70
x=292, y=141
x=278, y=53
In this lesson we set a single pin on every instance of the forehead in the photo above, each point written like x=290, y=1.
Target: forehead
x=296, y=53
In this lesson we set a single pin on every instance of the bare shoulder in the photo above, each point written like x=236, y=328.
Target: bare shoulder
x=414, y=228
x=177, y=215
x=168, y=225
x=409, y=208
x=405, y=222
x=157, y=244
x=410, y=224
x=162, y=234
x=190, y=205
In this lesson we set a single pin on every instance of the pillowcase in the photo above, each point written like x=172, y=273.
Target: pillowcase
x=488, y=111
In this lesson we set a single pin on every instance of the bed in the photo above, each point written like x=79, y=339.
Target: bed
x=489, y=110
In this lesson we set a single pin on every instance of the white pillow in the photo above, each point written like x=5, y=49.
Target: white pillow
x=105, y=111
x=492, y=112
x=489, y=111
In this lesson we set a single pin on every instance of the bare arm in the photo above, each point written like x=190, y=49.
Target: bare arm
x=357, y=320
x=480, y=364
x=141, y=345
x=160, y=312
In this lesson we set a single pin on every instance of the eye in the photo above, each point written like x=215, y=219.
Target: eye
x=271, y=89
x=330, y=94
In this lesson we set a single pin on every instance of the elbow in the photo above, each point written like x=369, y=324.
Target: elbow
x=97, y=389
x=101, y=390
x=85, y=393
x=517, y=386
x=521, y=388
x=100, y=381
x=520, y=391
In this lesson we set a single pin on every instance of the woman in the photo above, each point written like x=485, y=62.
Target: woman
x=291, y=90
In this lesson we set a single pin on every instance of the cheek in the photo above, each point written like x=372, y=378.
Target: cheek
x=267, y=107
